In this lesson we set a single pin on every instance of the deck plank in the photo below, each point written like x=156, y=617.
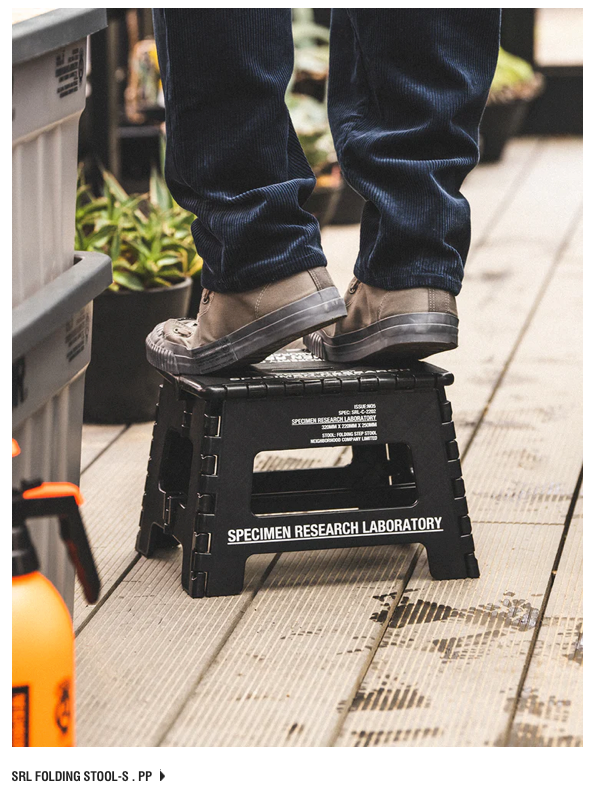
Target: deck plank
x=279, y=679
x=506, y=274
x=113, y=486
x=95, y=439
x=462, y=645
x=145, y=650
x=486, y=188
x=549, y=711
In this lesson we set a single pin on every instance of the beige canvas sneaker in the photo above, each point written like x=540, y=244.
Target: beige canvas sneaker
x=245, y=327
x=385, y=326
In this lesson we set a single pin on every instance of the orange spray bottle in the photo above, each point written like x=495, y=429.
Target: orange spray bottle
x=43, y=708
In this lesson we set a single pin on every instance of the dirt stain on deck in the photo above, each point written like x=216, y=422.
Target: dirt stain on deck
x=410, y=613
x=390, y=699
x=552, y=709
x=532, y=735
x=553, y=492
x=295, y=729
x=494, y=275
x=390, y=737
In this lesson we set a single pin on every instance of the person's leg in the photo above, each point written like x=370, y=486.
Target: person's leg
x=406, y=93
x=234, y=160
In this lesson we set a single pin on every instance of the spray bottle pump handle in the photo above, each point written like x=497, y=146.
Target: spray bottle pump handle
x=62, y=499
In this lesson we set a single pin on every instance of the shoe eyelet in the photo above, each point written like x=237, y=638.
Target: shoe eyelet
x=353, y=287
x=206, y=296
x=182, y=332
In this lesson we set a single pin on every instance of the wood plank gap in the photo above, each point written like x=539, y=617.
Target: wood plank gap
x=510, y=523
x=506, y=736
x=418, y=550
x=561, y=250
x=105, y=595
x=550, y=713
x=89, y=463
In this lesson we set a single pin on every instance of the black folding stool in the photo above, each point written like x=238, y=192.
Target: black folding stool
x=403, y=485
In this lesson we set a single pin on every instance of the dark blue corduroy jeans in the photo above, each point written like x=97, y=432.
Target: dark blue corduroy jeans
x=407, y=89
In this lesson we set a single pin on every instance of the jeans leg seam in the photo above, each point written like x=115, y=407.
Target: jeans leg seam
x=371, y=93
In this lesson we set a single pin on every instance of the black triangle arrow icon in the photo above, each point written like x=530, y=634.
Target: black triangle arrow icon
x=161, y=776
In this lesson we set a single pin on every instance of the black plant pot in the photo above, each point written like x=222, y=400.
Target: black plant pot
x=322, y=203
x=349, y=207
x=195, y=296
x=120, y=385
x=499, y=123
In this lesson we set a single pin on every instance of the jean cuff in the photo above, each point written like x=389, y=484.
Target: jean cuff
x=404, y=279
x=265, y=275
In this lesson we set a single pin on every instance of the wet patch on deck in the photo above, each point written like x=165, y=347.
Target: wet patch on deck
x=509, y=611
x=552, y=709
x=576, y=652
x=506, y=615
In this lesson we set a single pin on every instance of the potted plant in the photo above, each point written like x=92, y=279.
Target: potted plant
x=514, y=86
x=153, y=260
x=311, y=64
x=309, y=118
x=349, y=207
x=178, y=221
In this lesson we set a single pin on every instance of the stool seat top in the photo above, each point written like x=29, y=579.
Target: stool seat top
x=299, y=373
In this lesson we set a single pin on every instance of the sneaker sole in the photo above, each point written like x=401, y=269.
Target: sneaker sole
x=251, y=343
x=404, y=336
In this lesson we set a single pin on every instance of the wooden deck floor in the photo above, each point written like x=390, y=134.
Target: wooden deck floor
x=359, y=647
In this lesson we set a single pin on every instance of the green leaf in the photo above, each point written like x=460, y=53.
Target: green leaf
x=102, y=235
x=80, y=242
x=147, y=236
x=113, y=186
x=115, y=246
x=195, y=268
x=159, y=192
x=170, y=272
x=161, y=282
x=164, y=261
x=128, y=280
x=139, y=247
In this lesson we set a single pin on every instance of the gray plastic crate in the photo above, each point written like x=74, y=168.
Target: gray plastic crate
x=51, y=350
x=51, y=295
